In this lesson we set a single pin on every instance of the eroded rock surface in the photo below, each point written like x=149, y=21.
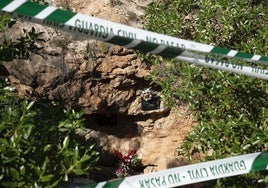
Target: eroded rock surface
x=108, y=83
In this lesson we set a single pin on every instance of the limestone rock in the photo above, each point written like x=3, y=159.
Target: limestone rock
x=108, y=83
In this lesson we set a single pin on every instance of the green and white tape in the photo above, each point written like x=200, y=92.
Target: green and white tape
x=225, y=64
x=119, y=34
x=190, y=174
x=145, y=41
x=166, y=46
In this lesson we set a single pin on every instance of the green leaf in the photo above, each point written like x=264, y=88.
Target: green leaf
x=45, y=164
x=84, y=158
x=1, y=177
x=79, y=171
x=22, y=170
x=76, y=150
x=55, y=183
x=256, y=142
x=68, y=125
x=30, y=115
x=47, y=178
x=47, y=147
x=10, y=88
x=36, y=169
x=66, y=142
x=63, y=129
x=9, y=184
x=15, y=174
x=65, y=177
x=30, y=105
x=4, y=141
x=246, y=147
x=28, y=132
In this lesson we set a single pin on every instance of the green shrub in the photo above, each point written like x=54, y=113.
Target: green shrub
x=22, y=47
x=38, y=144
x=231, y=109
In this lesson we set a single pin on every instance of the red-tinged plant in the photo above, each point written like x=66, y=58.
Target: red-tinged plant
x=127, y=163
x=118, y=154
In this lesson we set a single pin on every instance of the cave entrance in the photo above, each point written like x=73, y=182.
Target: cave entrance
x=120, y=125
x=106, y=119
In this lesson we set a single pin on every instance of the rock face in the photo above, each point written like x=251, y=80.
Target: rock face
x=124, y=110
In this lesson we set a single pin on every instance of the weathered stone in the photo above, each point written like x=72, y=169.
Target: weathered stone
x=108, y=83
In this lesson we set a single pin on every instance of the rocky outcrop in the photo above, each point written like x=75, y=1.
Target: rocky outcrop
x=109, y=83
x=123, y=109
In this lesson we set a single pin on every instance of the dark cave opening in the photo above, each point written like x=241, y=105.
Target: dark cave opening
x=119, y=125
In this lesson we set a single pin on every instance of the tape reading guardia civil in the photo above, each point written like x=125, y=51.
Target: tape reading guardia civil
x=228, y=168
x=96, y=31
x=41, y=12
x=100, y=31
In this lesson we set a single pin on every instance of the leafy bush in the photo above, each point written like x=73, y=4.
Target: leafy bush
x=38, y=144
x=231, y=109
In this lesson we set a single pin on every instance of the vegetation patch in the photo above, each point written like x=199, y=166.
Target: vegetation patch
x=231, y=109
x=38, y=142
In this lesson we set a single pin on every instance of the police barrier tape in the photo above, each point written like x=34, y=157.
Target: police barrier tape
x=190, y=174
x=114, y=33
x=130, y=37
x=167, y=47
x=225, y=64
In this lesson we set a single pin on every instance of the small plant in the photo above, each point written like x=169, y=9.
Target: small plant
x=132, y=16
x=90, y=52
x=23, y=47
x=62, y=43
x=127, y=163
x=104, y=47
x=115, y=3
x=6, y=22
x=38, y=144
